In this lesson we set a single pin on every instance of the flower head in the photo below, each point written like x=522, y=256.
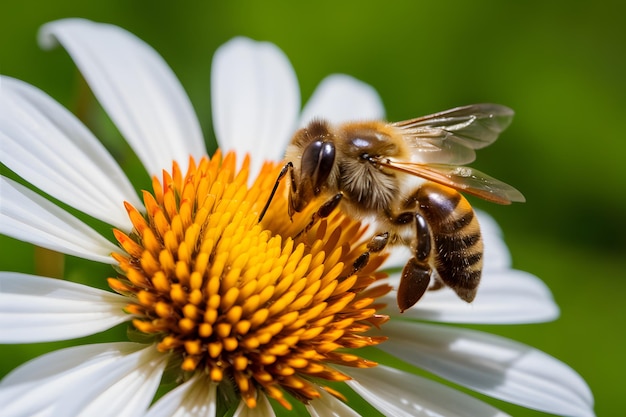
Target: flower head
x=234, y=310
x=261, y=306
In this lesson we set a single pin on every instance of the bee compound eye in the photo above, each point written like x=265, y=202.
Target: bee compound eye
x=318, y=159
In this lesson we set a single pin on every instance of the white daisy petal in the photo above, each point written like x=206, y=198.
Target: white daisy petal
x=397, y=393
x=67, y=381
x=129, y=395
x=194, y=398
x=491, y=365
x=39, y=309
x=27, y=216
x=341, y=98
x=255, y=98
x=47, y=146
x=496, y=254
x=137, y=89
x=504, y=297
x=263, y=408
x=329, y=406
x=398, y=257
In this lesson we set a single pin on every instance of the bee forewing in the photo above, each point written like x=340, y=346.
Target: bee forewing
x=450, y=136
x=442, y=149
x=462, y=178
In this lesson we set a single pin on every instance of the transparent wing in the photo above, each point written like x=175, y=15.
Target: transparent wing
x=450, y=137
x=462, y=178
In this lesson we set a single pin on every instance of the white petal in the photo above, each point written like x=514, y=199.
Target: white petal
x=137, y=89
x=27, y=216
x=341, y=98
x=491, y=365
x=397, y=393
x=398, y=257
x=329, y=406
x=255, y=99
x=194, y=398
x=68, y=381
x=129, y=395
x=263, y=408
x=496, y=254
x=39, y=309
x=47, y=146
x=504, y=297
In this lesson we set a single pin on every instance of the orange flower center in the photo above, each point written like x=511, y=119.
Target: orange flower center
x=259, y=305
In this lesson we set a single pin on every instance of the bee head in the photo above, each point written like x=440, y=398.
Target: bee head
x=317, y=162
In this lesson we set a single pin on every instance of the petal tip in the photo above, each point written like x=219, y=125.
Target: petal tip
x=47, y=34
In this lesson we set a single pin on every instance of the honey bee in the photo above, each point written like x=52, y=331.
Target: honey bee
x=407, y=177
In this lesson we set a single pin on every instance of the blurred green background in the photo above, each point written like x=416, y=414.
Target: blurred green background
x=560, y=65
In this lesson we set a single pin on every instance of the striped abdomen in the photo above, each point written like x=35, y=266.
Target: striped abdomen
x=457, y=243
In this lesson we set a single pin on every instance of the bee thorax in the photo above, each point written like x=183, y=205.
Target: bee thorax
x=366, y=187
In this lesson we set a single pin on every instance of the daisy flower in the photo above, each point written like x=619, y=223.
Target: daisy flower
x=245, y=318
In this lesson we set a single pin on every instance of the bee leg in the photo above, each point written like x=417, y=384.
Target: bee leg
x=378, y=243
x=287, y=168
x=413, y=283
x=415, y=277
x=324, y=211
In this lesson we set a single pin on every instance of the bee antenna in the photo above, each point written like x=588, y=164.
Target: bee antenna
x=281, y=175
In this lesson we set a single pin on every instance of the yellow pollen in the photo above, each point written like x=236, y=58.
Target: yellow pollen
x=260, y=306
x=240, y=363
x=190, y=363
x=216, y=374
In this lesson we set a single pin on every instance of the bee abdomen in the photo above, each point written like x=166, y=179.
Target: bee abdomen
x=456, y=235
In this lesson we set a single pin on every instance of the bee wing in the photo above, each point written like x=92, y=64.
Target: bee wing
x=462, y=178
x=450, y=137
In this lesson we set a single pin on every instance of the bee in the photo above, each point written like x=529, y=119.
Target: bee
x=406, y=176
